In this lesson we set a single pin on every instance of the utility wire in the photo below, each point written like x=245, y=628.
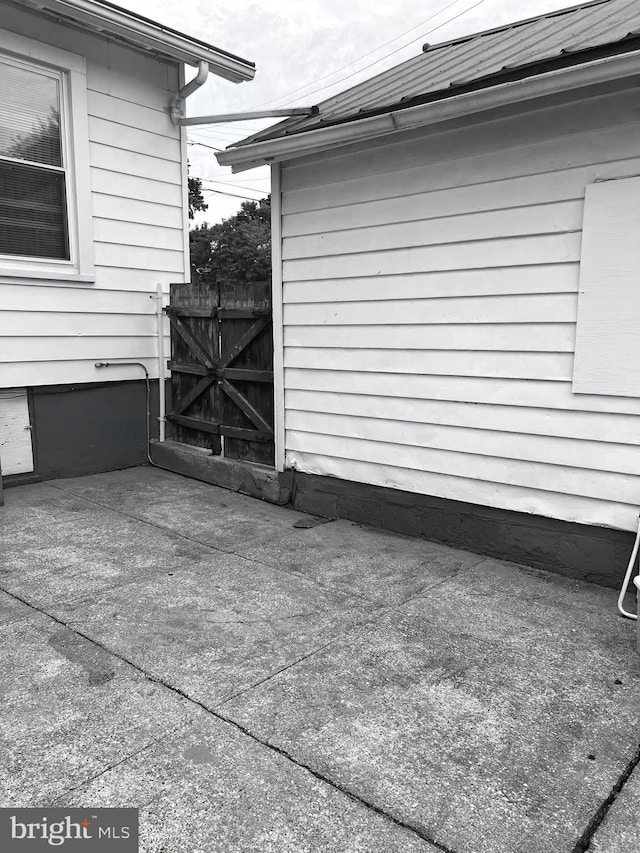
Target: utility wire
x=221, y=134
x=232, y=195
x=347, y=77
x=397, y=50
x=239, y=186
x=364, y=55
x=216, y=180
x=189, y=142
x=229, y=131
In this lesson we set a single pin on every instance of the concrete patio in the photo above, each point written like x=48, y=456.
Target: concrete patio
x=253, y=685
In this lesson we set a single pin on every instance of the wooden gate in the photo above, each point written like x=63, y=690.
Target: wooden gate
x=222, y=368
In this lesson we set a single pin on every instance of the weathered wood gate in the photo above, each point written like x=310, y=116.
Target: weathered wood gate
x=222, y=368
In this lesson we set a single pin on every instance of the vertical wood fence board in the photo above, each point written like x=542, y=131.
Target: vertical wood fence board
x=203, y=297
x=258, y=355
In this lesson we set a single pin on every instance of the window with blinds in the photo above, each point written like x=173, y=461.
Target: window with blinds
x=33, y=182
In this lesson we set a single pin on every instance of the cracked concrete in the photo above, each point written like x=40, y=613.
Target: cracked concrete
x=251, y=684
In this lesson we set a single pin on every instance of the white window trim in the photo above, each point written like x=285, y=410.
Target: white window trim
x=75, y=129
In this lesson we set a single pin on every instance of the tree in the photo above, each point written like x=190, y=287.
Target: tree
x=196, y=199
x=236, y=249
x=41, y=143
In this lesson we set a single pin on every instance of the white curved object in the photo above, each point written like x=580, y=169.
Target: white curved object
x=627, y=577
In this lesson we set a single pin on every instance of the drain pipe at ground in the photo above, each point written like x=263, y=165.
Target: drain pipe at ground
x=627, y=577
x=101, y=364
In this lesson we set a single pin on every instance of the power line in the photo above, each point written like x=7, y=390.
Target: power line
x=229, y=134
x=231, y=195
x=364, y=55
x=239, y=186
x=386, y=56
x=246, y=180
x=189, y=142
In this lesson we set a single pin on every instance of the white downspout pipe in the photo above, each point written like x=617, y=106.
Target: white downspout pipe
x=176, y=108
x=161, y=375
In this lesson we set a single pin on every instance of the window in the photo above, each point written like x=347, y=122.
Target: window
x=45, y=207
x=33, y=204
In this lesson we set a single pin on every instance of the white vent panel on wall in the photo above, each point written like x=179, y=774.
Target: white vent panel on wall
x=16, y=454
x=607, y=352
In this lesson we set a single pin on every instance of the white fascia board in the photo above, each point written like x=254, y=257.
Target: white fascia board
x=111, y=21
x=308, y=142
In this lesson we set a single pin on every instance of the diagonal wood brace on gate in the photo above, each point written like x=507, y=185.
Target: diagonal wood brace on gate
x=217, y=369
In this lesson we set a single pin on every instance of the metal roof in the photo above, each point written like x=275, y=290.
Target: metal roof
x=480, y=61
x=112, y=21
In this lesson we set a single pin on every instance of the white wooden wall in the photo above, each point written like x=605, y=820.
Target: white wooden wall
x=16, y=452
x=53, y=333
x=430, y=296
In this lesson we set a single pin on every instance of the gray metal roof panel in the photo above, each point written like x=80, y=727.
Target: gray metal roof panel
x=473, y=58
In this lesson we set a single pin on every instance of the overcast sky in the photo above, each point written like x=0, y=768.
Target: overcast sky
x=306, y=51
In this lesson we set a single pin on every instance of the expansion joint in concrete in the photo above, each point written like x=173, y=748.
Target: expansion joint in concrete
x=110, y=767
x=193, y=539
x=584, y=842
x=283, y=753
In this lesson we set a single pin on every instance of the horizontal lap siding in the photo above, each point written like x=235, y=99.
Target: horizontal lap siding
x=136, y=184
x=430, y=295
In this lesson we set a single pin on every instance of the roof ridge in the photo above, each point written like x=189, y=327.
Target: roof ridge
x=582, y=33
x=513, y=24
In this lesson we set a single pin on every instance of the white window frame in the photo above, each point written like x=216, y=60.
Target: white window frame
x=75, y=145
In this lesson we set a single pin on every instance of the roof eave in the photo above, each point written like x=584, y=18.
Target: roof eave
x=455, y=106
x=146, y=35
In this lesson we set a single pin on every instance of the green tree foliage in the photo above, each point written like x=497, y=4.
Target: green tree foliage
x=196, y=199
x=236, y=249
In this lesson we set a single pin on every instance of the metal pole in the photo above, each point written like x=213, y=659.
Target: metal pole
x=161, y=395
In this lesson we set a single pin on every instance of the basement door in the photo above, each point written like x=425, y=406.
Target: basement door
x=16, y=453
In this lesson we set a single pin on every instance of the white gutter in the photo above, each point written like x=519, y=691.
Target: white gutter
x=307, y=142
x=109, y=20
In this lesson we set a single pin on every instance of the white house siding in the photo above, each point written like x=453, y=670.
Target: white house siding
x=430, y=294
x=53, y=332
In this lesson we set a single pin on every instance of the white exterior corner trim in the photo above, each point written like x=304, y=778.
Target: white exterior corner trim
x=277, y=309
x=312, y=141
x=147, y=35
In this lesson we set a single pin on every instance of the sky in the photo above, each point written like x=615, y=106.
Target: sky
x=305, y=52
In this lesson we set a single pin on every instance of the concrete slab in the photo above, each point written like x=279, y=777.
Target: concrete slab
x=210, y=788
x=620, y=830
x=218, y=627
x=69, y=711
x=340, y=555
x=490, y=708
x=204, y=513
x=10, y=609
x=485, y=713
x=69, y=550
x=375, y=564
